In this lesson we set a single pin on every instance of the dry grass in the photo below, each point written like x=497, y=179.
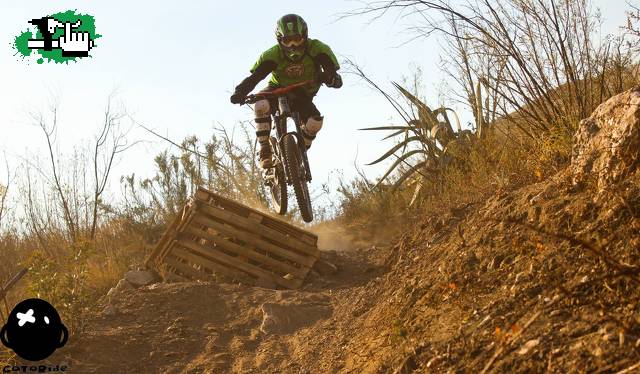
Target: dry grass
x=74, y=270
x=475, y=169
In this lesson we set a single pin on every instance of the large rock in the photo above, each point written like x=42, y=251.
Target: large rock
x=139, y=278
x=606, y=144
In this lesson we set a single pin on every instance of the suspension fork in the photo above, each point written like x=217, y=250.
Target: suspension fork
x=284, y=111
x=280, y=124
x=301, y=146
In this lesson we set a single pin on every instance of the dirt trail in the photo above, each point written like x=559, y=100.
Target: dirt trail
x=492, y=285
x=220, y=328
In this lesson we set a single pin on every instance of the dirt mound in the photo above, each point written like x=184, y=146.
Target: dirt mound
x=543, y=278
x=207, y=327
x=543, y=265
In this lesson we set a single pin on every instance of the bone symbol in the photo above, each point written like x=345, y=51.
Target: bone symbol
x=26, y=317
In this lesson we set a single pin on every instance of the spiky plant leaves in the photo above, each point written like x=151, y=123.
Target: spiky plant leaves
x=386, y=128
x=393, y=149
x=422, y=165
x=425, y=136
x=425, y=114
x=400, y=160
x=395, y=134
x=455, y=115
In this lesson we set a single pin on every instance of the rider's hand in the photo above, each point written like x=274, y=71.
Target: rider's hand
x=334, y=81
x=237, y=98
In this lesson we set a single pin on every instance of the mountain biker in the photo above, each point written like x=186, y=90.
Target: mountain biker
x=294, y=59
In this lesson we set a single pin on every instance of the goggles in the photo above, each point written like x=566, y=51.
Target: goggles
x=292, y=41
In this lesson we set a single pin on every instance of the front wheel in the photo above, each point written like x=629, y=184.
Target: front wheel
x=276, y=183
x=295, y=168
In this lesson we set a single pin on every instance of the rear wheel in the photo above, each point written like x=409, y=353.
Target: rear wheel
x=295, y=168
x=277, y=183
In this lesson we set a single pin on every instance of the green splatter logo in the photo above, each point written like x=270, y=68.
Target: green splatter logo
x=59, y=38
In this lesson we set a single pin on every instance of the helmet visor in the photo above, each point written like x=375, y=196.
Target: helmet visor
x=292, y=41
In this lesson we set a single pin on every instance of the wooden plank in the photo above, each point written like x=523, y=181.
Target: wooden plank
x=261, y=230
x=277, y=224
x=213, y=266
x=187, y=216
x=167, y=249
x=233, y=263
x=185, y=269
x=255, y=217
x=304, y=236
x=305, y=260
x=164, y=239
x=241, y=265
x=202, y=194
x=243, y=251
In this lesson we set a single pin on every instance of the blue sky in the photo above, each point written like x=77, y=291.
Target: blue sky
x=174, y=65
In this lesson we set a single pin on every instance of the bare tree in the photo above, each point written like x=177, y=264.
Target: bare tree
x=633, y=22
x=537, y=60
x=473, y=73
x=49, y=129
x=4, y=192
x=79, y=204
x=110, y=142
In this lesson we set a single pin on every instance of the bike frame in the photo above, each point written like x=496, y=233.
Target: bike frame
x=282, y=112
x=280, y=123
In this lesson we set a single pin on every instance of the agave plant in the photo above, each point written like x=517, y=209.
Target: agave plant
x=427, y=140
x=425, y=137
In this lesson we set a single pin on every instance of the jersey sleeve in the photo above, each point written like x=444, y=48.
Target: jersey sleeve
x=257, y=74
x=269, y=56
x=318, y=48
x=266, y=63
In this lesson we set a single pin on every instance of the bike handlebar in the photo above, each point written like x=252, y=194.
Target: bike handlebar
x=252, y=99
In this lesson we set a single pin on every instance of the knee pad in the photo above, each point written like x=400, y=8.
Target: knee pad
x=313, y=125
x=263, y=129
x=262, y=108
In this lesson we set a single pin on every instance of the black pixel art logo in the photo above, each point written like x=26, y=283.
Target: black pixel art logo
x=34, y=330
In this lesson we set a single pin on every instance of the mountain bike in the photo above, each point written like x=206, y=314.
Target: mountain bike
x=290, y=162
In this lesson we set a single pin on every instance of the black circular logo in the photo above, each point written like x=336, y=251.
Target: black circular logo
x=34, y=330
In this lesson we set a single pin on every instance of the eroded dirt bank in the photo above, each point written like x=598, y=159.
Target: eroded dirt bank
x=543, y=278
x=493, y=285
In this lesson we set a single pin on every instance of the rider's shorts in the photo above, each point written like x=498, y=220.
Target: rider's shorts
x=299, y=102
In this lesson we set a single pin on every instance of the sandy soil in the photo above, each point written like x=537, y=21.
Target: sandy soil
x=540, y=279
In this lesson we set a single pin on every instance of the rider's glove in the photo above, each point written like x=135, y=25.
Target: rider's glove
x=237, y=98
x=334, y=81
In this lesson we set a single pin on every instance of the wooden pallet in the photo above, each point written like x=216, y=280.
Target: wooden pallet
x=219, y=239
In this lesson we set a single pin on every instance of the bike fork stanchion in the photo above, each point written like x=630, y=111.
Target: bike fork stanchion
x=302, y=147
x=305, y=160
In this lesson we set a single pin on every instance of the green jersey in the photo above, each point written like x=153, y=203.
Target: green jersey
x=288, y=72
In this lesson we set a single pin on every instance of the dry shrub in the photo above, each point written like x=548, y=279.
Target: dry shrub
x=527, y=70
x=541, y=63
x=370, y=214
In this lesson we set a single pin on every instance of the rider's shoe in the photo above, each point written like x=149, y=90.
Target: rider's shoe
x=265, y=156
